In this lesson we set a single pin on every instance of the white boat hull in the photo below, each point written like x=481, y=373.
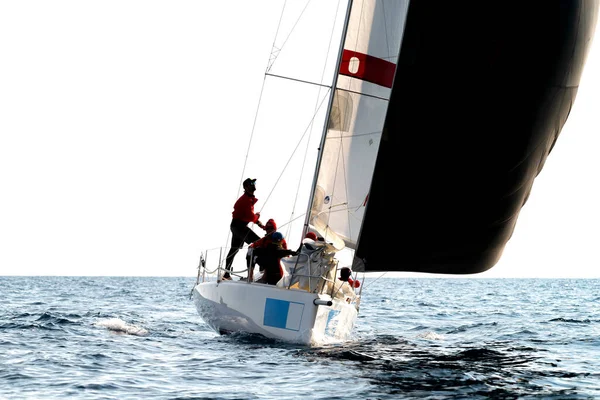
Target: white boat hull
x=290, y=315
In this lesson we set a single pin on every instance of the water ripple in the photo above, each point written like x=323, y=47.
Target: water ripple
x=107, y=338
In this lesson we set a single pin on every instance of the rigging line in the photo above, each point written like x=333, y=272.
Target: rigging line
x=387, y=42
x=289, y=223
x=327, y=51
x=362, y=94
x=262, y=89
x=351, y=210
x=288, y=36
x=341, y=158
x=269, y=65
x=335, y=174
x=272, y=58
x=341, y=148
x=357, y=135
x=330, y=105
x=293, y=152
x=334, y=99
x=360, y=21
x=373, y=281
x=298, y=80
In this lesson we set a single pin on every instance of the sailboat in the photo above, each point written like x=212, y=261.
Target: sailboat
x=439, y=117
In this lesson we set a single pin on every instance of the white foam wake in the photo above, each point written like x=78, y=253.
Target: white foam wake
x=431, y=336
x=118, y=325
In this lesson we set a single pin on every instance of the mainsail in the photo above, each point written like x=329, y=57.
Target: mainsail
x=356, y=119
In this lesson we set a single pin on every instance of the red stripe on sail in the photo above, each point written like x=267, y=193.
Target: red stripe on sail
x=367, y=68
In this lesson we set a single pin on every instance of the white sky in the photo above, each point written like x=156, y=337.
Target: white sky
x=124, y=126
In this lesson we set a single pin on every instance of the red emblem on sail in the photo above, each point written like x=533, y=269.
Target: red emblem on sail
x=368, y=68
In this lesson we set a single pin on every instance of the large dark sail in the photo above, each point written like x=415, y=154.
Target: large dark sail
x=481, y=92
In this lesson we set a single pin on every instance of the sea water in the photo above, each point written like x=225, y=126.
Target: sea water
x=132, y=338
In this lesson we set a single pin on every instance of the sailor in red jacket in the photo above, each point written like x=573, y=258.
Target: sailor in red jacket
x=269, y=256
x=243, y=214
x=271, y=227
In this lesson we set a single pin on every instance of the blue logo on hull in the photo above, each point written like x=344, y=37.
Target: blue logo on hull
x=283, y=314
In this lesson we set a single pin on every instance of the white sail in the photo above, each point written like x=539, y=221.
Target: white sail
x=356, y=119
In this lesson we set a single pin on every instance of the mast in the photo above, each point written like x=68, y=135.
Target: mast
x=329, y=106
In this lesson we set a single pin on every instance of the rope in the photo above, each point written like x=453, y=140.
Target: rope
x=371, y=282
